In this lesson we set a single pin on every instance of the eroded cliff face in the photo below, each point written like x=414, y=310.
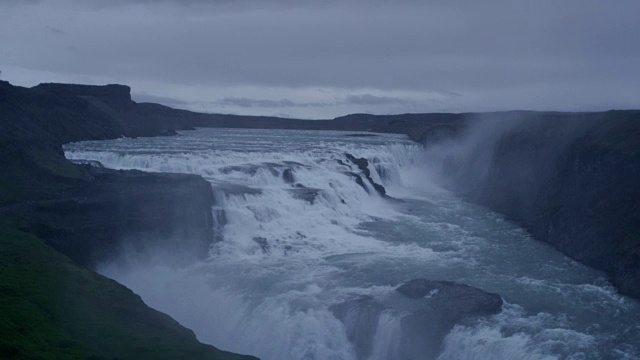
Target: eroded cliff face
x=90, y=214
x=572, y=180
x=129, y=214
x=56, y=308
x=111, y=92
x=590, y=209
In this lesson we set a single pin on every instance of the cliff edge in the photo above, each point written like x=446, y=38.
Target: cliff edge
x=59, y=219
x=571, y=179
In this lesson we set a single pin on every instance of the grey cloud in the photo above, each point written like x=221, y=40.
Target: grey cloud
x=263, y=103
x=54, y=30
x=545, y=54
x=19, y=2
x=356, y=99
x=250, y=103
x=368, y=99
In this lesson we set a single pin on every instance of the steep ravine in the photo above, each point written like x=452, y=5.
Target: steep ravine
x=579, y=194
x=59, y=219
x=572, y=180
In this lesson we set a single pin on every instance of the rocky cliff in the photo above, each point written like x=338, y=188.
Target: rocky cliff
x=571, y=179
x=128, y=212
x=52, y=210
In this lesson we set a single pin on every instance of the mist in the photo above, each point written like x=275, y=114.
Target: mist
x=505, y=160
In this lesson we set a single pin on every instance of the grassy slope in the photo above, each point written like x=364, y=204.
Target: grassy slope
x=53, y=309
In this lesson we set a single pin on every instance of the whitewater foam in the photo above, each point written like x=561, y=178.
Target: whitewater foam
x=291, y=251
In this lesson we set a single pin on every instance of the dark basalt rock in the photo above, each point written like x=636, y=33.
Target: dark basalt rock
x=263, y=243
x=287, y=176
x=445, y=304
x=131, y=212
x=112, y=91
x=304, y=193
x=358, y=180
x=360, y=318
x=426, y=309
x=363, y=165
x=459, y=299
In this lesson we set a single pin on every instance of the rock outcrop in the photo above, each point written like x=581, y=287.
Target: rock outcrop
x=363, y=165
x=104, y=92
x=287, y=176
x=129, y=212
x=444, y=304
x=571, y=179
x=428, y=310
x=56, y=308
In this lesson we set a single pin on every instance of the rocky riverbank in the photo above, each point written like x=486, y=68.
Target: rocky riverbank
x=59, y=219
x=571, y=179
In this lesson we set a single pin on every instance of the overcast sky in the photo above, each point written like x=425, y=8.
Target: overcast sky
x=320, y=59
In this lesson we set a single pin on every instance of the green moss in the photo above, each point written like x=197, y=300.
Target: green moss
x=27, y=329
x=53, y=309
x=9, y=191
x=56, y=165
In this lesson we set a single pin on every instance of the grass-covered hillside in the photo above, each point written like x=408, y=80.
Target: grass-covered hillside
x=52, y=307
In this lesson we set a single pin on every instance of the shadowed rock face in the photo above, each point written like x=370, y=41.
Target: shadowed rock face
x=446, y=304
x=363, y=165
x=455, y=301
x=129, y=212
x=360, y=318
x=89, y=214
x=287, y=176
x=431, y=308
x=571, y=179
x=112, y=91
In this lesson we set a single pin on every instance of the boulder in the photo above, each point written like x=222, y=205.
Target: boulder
x=287, y=176
x=363, y=165
x=426, y=310
x=442, y=305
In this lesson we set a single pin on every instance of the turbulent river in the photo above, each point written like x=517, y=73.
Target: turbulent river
x=297, y=235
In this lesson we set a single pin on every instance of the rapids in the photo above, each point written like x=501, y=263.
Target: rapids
x=288, y=248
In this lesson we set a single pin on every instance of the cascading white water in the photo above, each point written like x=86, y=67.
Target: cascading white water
x=292, y=249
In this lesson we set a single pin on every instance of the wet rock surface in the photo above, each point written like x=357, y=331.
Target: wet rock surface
x=427, y=311
x=445, y=305
x=287, y=176
x=363, y=165
x=457, y=300
x=129, y=212
x=360, y=318
x=304, y=193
